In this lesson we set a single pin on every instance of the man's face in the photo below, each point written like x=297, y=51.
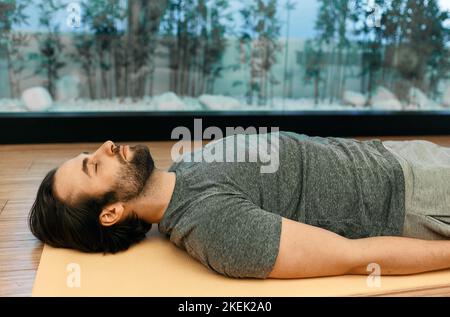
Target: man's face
x=122, y=169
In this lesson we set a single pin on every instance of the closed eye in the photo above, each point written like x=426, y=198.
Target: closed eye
x=96, y=164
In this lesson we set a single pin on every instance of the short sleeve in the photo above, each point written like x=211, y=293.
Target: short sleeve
x=237, y=239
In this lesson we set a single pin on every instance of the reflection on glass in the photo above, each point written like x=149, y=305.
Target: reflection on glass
x=193, y=55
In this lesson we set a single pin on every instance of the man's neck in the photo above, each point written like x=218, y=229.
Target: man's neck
x=151, y=205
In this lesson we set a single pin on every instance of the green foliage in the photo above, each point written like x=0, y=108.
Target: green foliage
x=416, y=38
x=259, y=44
x=12, y=44
x=314, y=60
x=50, y=59
x=194, y=33
x=120, y=41
x=407, y=49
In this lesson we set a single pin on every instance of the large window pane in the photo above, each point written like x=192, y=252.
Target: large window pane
x=219, y=55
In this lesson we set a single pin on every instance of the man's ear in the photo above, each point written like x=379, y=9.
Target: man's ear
x=112, y=214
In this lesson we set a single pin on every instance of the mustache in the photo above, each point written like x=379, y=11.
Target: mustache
x=116, y=151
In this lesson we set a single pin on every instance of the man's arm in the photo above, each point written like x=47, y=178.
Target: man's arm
x=308, y=251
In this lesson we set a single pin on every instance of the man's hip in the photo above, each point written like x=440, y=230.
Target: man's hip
x=426, y=168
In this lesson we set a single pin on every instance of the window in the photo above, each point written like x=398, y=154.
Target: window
x=219, y=55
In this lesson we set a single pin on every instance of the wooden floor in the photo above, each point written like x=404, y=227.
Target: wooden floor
x=22, y=167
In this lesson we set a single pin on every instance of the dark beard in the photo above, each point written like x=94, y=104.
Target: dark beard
x=133, y=175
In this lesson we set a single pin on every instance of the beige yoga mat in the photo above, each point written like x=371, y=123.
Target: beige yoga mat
x=156, y=267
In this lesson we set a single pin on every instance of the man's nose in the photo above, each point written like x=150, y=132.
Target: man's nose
x=108, y=147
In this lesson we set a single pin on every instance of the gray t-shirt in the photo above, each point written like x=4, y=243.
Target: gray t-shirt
x=228, y=214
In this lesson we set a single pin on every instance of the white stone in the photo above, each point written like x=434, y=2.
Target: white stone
x=354, y=98
x=446, y=97
x=418, y=98
x=37, y=99
x=219, y=102
x=68, y=88
x=384, y=99
x=168, y=101
x=11, y=105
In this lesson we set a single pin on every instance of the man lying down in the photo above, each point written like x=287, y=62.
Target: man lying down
x=332, y=206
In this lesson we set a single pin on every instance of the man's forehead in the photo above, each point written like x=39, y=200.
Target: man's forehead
x=68, y=178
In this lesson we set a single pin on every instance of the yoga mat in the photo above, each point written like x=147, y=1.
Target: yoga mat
x=156, y=267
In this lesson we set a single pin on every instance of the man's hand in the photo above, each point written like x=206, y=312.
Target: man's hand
x=308, y=251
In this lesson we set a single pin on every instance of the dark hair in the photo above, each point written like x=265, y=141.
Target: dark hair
x=77, y=226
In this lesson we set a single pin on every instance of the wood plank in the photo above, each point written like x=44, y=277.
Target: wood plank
x=16, y=209
x=17, y=282
x=21, y=257
x=2, y=205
